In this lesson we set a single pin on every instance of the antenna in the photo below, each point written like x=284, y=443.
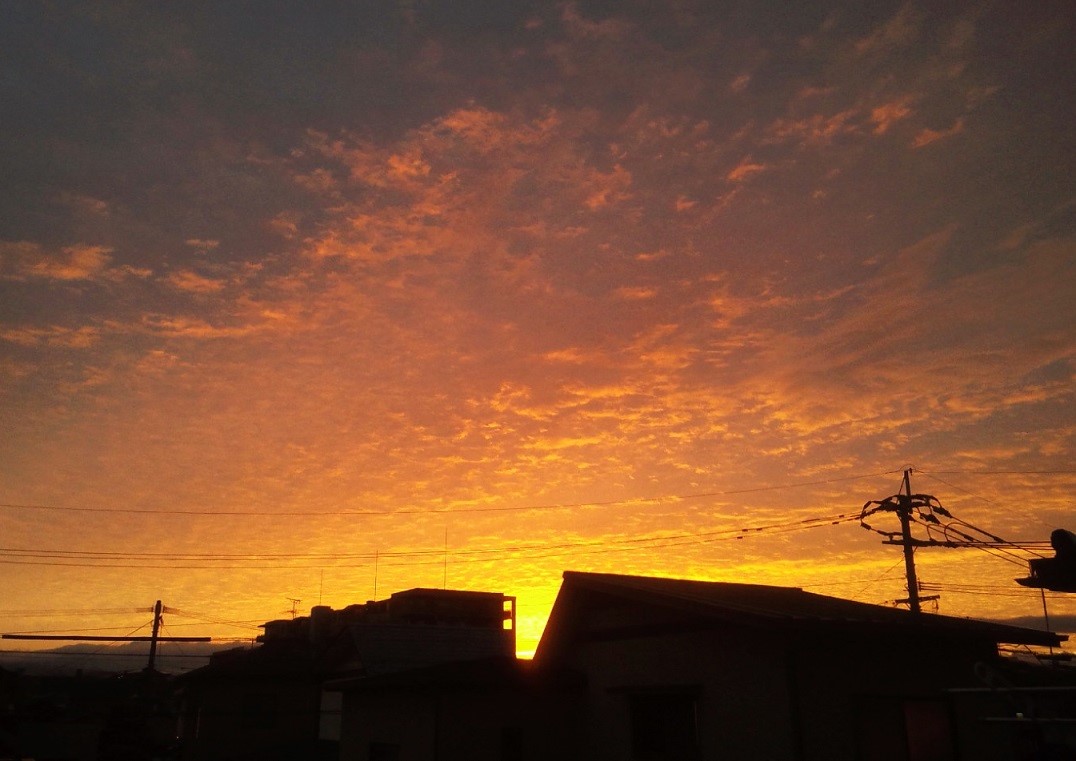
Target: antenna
x=294, y=604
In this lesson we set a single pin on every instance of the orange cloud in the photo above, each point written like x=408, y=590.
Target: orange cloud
x=186, y=327
x=87, y=204
x=817, y=129
x=888, y=114
x=319, y=180
x=71, y=263
x=192, y=282
x=897, y=32
x=928, y=136
x=607, y=188
x=570, y=356
x=745, y=169
x=202, y=245
x=635, y=293
x=70, y=338
x=740, y=83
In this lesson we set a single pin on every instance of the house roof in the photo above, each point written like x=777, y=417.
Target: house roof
x=290, y=660
x=770, y=607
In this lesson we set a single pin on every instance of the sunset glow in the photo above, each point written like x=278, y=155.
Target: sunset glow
x=323, y=303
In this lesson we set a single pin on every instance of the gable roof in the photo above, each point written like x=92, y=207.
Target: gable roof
x=769, y=607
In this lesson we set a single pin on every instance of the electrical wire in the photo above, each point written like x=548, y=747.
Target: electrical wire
x=203, y=619
x=39, y=613
x=999, y=472
x=880, y=578
x=119, y=560
x=451, y=510
x=1014, y=593
x=87, y=654
x=737, y=533
x=924, y=510
x=68, y=630
x=997, y=549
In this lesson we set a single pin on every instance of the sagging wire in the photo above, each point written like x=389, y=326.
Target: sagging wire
x=942, y=528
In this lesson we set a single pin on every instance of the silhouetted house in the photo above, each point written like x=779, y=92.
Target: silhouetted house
x=83, y=717
x=270, y=703
x=500, y=709
x=678, y=669
x=1022, y=710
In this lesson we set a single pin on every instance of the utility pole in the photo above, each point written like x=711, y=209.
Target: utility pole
x=155, y=636
x=152, y=640
x=904, y=513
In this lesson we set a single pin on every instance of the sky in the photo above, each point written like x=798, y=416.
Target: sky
x=310, y=303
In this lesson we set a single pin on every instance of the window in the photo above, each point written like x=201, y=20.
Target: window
x=664, y=726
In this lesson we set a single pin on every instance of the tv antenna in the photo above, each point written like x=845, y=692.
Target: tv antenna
x=294, y=605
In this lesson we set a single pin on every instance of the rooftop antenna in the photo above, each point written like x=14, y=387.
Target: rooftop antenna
x=294, y=605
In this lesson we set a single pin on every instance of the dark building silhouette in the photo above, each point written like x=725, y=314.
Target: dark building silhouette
x=671, y=669
x=85, y=717
x=690, y=669
x=269, y=702
x=500, y=708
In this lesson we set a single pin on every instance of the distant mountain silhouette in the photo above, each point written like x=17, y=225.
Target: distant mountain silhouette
x=113, y=659
x=1061, y=623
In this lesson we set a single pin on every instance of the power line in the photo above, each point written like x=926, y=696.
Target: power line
x=97, y=654
x=732, y=532
x=435, y=511
x=203, y=619
x=998, y=472
x=54, y=631
x=987, y=592
x=49, y=613
x=86, y=559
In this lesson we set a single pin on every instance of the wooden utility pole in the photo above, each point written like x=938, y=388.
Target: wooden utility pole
x=152, y=640
x=156, y=635
x=904, y=512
